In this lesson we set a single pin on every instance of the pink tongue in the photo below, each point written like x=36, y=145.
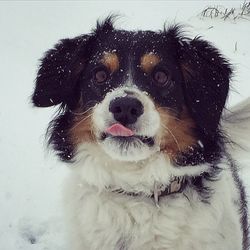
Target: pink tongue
x=119, y=130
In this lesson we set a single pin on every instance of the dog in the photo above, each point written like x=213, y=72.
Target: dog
x=140, y=122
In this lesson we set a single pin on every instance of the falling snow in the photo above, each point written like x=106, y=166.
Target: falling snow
x=31, y=179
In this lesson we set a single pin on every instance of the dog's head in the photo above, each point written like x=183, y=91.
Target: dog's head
x=135, y=94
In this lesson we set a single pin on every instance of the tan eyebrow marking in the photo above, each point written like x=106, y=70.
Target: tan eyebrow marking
x=149, y=61
x=111, y=61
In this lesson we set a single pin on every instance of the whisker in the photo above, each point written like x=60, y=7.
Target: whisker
x=176, y=141
x=81, y=121
x=170, y=109
x=175, y=118
x=169, y=115
x=92, y=131
x=82, y=113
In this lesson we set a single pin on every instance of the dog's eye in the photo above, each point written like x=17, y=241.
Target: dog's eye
x=161, y=78
x=101, y=76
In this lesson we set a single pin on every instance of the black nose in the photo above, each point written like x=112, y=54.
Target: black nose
x=126, y=110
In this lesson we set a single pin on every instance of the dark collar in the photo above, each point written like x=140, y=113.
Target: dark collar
x=177, y=185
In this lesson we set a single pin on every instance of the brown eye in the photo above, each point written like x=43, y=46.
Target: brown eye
x=161, y=78
x=101, y=76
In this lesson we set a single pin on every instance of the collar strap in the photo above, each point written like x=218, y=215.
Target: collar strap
x=177, y=185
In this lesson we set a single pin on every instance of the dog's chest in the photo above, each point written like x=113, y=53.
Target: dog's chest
x=104, y=220
x=129, y=223
x=115, y=222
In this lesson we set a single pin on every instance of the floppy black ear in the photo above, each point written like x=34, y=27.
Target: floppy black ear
x=58, y=72
x=61, y=67
x=206, y=83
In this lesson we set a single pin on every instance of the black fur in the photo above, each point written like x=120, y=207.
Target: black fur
x=65, y=77
x=58, y=136
x=200, y=78
x=55, y=79
x=242, y=204
x=206, y=88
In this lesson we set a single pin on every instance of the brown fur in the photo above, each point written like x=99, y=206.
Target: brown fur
x=81, y=130
x=149, y=61
x=111, y=61
x=176, y=133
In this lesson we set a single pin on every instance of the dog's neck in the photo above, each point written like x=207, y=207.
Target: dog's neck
x=177, y=185
x=99, y=171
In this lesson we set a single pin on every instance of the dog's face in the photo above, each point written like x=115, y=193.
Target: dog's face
x=130, y=76
x=135, y=94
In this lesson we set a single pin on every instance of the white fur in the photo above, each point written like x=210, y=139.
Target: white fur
x=148, y=124
x=103, y=220
x=100, y=219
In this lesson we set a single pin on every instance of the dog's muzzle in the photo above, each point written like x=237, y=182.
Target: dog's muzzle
x=126, y=110
x=127, y=123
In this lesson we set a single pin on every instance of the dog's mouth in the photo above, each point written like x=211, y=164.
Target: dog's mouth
x=125, y=136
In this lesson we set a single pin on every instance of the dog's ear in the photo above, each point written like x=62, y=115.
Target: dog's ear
x=206, y=75
x=61, y=66
x=58, y=72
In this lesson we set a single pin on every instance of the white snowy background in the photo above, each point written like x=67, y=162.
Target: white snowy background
x=31, y=178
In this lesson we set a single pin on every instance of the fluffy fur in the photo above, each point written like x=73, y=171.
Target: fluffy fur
x=166, y=93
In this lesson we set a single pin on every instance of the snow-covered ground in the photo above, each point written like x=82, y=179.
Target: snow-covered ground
x=30, y=178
